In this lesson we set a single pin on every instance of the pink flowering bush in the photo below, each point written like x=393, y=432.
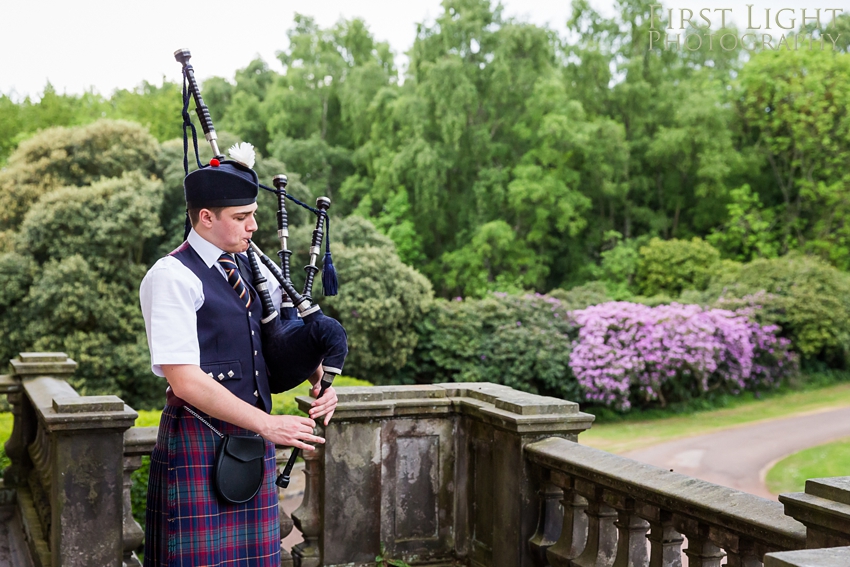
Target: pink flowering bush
x=627, y=353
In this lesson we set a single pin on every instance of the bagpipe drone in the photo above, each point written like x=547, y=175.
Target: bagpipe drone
x=300, y=338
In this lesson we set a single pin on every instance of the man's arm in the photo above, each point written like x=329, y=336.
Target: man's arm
x=191, y=384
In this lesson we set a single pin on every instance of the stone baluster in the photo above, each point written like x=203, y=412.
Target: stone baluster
x=631, y=531
x=138, y=442
x=286, y=523
x=601, y=546
x=574, y=530
x=134, y=535
x=665, y=543
x=701, y=550
x=549, y=523
x=307, y=517
x=741, y=552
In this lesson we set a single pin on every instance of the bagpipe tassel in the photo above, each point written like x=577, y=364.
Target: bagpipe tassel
x=329, y=280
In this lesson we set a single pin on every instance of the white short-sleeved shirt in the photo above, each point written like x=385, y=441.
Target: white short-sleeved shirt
x=170, y=295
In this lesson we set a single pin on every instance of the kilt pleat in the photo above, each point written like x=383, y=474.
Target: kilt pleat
x=186, y=524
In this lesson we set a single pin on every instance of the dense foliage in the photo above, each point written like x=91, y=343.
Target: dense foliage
x=509, y=155
x=503, y=162
x=522, y=341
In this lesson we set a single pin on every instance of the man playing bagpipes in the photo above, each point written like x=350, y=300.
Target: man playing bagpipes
x=212, y=498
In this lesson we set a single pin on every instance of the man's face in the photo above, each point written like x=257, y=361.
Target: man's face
x=232, y=229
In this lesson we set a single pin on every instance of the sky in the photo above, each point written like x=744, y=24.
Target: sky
x=108, y=44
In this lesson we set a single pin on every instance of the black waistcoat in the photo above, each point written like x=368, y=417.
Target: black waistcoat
x=228, y=333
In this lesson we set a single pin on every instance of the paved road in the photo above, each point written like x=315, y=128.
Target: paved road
x=740, y=457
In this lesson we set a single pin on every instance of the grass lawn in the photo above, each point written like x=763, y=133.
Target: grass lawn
x=620, y=437
x=790, y=474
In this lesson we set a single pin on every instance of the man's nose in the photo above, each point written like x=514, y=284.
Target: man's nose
x=252, y=225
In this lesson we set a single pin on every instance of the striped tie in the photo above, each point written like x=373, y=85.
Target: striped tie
x=234, y=279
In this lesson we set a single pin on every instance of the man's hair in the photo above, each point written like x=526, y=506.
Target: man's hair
x=195, y=214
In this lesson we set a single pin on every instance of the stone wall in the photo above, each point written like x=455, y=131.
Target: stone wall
x=435, y=474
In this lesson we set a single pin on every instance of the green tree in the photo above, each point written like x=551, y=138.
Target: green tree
x=749, y=232
x=794, y=104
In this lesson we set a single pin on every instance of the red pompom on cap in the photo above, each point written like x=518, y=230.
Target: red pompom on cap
x=214, y=162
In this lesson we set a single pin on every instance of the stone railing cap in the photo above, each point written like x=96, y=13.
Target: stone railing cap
x=42, y=357
x=826, y=557
x=42, y=364
x=140, y=440
x=836, y=488
x=354, y=394
x=495, y=403
x=87, y=404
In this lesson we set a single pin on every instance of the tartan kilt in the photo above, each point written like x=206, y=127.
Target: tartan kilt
x=186, y=524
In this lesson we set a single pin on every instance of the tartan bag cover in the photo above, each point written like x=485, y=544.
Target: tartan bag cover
x=186, y=524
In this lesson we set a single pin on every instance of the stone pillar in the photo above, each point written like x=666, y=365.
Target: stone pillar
x=25, y=366
x=78, y=456
x=823, y=508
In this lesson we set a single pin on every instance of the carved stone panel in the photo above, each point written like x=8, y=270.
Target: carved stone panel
x=418, y=495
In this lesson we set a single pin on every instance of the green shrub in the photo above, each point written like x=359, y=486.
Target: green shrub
x=522, y=341
x=807, y=297
x=670, y=266
x=380, y=301
x=585, y=295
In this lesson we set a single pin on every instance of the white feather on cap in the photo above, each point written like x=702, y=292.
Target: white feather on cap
x=243, y=152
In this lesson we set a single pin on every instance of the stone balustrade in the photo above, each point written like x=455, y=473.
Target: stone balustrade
x=614, y=505
x=67, y=454
x=473, y=474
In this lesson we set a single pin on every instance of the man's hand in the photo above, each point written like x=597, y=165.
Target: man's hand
x=191, y=384
x=324, y=405
x=292, y=431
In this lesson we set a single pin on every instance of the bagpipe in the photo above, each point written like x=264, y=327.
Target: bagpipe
x=300, y=338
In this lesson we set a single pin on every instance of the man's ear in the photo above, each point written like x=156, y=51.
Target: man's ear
x=205, y=218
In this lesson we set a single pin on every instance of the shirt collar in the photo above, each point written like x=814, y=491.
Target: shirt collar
x=209, y=252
